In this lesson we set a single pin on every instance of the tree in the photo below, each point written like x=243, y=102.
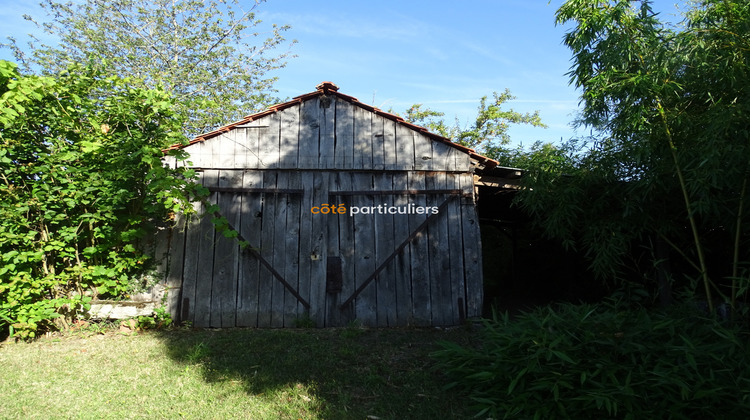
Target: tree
x=203, y=53
x=488, y=133
x=82, y=183
x=670, y=158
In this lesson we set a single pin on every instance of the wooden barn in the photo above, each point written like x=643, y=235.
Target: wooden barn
x=351, y=213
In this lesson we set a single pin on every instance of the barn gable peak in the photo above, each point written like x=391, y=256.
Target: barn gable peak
x=327, y=91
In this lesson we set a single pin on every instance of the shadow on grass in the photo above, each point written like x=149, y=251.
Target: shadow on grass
x=328, y=373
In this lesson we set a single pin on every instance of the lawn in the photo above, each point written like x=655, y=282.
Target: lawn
x=348, y=373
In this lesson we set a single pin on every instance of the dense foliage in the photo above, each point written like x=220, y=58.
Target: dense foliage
x=212, y=56
x=663, y=183
x=603, y=361
x=487, y=133
x=82, y=183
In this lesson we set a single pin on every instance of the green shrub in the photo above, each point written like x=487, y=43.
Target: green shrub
x=82, y=183
x=597, y=361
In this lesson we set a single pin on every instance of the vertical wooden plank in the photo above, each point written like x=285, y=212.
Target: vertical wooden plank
x=364, y=250
x=472, y=248
x=344, y=152
x=288, y=148
x=327, y=131
x=279, y=249
x=291, y=266
x=402, y=262
x=318, y=249
x=420, y=267
x=447, y=154
x=305, y=242
x=424, y=159
x=385, y=243
x=204, y=276
x=463, y=161
x=192, y=262
x=239, y=137
x=226, y=254
x=266, y=280
x=455, y=246
x=269, y=141
x=389, y=145
x=249, y=268
x=363, y=138
x=175, y=268
x=346, y=251
x=378, y=142
x=404, y=148
x=333, y=312
x=309, y=134
x=223, y=150
x=440, y=258
x=252, y=146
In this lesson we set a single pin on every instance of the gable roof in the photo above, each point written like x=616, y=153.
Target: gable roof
x=330, y=89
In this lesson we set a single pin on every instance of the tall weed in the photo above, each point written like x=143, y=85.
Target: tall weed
x=600, y=361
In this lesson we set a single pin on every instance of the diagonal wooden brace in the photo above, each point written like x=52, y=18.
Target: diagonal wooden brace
x=390, y=258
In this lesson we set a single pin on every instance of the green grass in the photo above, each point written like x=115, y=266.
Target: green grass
x=346, y=373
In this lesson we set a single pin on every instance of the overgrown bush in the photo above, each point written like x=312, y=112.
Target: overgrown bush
x=82, y=182
x=599, y=361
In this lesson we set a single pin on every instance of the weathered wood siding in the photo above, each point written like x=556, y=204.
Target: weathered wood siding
x=382, y=269
x=339, y=135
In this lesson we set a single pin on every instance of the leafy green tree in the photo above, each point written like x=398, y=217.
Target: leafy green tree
x=210, y=55
x=82, y=182
x=669, y=162
x=488, y=133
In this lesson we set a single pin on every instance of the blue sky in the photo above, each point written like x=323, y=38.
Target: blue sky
x=443, y=54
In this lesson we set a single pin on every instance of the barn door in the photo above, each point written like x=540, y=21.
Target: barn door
x=256, y=284
x=390, y=261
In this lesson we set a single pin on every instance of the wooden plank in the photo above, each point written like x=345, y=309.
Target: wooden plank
x=252, y=146
x=346, y=251
x=420, y=268
x=463, y=161
x=292, y=308
x=279, y=249
x=363, y=138
x=456, y=249
x=240, y=150
x=426, y=156
x=175, y=268
x=190, y=266
x=266, y=280
x=226, y=255
x=309, y=134
x=385, y=243
x=327, y=132
x=402, y=261
x=344, y=145
x=389, y=145
x=289, y=144
x=440, y=258
x=364, y=252
x=333, y=314
x=378, y=143
x=305, y=242
x=269, y=141
x=249, y=269
x=318, y=249
x=223, y=150
x=404, y=148
x=472, y=249
x=204, y=272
